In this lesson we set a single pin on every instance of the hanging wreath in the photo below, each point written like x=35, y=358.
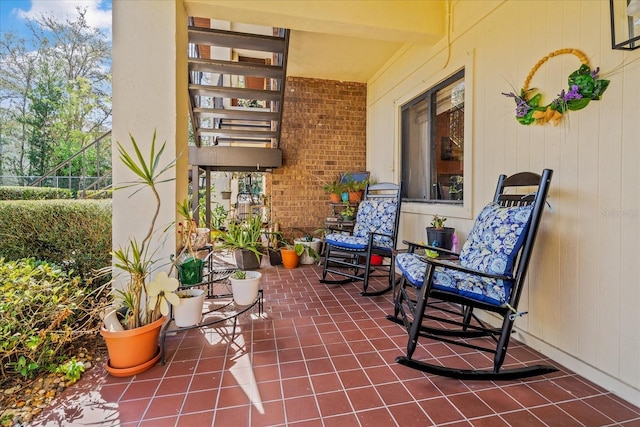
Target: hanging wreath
x=584, y=86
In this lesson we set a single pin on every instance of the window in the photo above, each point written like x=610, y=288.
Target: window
x=432, y=134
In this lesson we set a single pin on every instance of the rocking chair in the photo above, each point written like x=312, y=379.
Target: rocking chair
x=375, y=233
x=436, y=297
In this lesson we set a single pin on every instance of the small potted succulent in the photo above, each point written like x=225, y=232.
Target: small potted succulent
x=245, y=286
x=438, y=235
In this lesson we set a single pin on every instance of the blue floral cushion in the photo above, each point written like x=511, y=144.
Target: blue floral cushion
x=480, y=288
x=413, y=269
x=377, y=216
x=471, y=286
x=495, y=239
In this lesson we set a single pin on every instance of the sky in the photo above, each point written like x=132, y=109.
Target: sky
x=13, y=13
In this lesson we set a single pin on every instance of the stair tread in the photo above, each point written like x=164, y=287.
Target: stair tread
x=234, y=92
x=257, y=133
x=235, y=68
x=244, y=114
x=214, y=37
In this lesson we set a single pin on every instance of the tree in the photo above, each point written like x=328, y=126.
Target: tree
x=54, y=98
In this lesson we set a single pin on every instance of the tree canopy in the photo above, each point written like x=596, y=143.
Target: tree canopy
x=55, y=94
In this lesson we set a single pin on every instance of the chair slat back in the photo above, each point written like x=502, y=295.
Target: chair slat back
x=523, y=189
x=387, y=191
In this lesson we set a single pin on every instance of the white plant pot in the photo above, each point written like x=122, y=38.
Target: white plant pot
x=316, y=244
x=189, y=311
x=245, y=291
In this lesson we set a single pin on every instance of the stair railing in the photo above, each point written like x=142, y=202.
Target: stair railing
x=67, y=163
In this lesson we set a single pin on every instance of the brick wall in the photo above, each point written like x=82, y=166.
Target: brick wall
x=323, y=135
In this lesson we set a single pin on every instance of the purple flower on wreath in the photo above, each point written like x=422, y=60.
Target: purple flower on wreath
x=594, y=73
x=572, y=94
x=522, y=107
x=563, y=96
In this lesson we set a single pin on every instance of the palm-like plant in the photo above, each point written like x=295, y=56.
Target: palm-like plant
x=136, y=259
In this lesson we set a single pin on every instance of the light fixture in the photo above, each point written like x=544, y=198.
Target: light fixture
x=625, y=24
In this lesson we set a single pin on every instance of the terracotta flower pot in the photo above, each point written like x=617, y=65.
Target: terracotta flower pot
x=355, y=196
x=132, y=349
x=335, y=197
x=290, y=258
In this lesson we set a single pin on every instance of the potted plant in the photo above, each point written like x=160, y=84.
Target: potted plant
x=291, y=254
x=245, y=286
x=311, y=246
x=347, y=212
x=335, y=190
x=456, y=187
x=245, y=240
x=190, y=266
x=438, y=235
x=356, y=189
x=131, y=329
x=189, y=311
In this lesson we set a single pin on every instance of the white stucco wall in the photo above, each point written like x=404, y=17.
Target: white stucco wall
x=149, y=94
x=583, y=293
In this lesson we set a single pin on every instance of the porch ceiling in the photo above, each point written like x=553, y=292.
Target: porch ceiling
x=336, y=40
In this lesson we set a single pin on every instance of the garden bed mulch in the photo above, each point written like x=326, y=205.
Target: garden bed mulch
x=21, y=400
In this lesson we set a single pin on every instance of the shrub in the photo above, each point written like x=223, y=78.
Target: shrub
x=74, y=234
x=42, y=312
x=34, y=193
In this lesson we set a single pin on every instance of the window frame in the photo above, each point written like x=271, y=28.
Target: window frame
x=432, y=207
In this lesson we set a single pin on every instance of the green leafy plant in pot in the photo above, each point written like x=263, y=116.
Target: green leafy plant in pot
x=335, y=190
x=456, y=187
x=347, y=212
x=131, y=329
x=291, y=254
x=311, y=246
x=245, y=240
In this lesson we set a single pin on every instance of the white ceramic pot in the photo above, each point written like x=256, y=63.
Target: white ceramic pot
x=315, y=244
x=189, y=311
x=245, y=291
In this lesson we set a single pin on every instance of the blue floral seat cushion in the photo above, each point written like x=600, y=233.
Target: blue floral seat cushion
x=445, y=279
x=492, y=246
x=374, y=216
x=495, y=239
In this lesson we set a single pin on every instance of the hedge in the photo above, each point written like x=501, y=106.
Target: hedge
x=74, y=234
x=34, y=193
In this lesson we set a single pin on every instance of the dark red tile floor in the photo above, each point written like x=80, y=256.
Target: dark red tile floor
x=324, y=356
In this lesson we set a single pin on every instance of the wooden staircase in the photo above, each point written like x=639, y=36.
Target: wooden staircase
x=230, y=136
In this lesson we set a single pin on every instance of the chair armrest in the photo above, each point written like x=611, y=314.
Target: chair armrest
x=414, y=245
x=456, y=266
x=373, y=233
x=338, y=230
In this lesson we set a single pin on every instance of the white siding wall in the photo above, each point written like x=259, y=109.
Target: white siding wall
x=584, y=282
